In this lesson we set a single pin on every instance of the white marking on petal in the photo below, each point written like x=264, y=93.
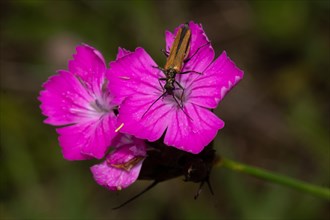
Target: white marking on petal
x=225, y=89
x=125, y=77
x=237, y=78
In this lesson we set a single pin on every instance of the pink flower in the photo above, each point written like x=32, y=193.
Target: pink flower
x=78, y=100
x=122, y=166
x=135, y=82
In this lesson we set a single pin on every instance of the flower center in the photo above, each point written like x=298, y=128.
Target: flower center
x=178, y=98
x=98, y=107
x=102, y=101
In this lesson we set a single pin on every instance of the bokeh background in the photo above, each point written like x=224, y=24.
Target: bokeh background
x=276, y=118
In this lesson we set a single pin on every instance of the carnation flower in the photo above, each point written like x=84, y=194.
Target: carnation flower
x=122, y=166
x=135, y=84
x=79, y=102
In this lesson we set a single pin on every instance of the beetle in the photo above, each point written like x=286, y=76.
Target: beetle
x=174, y=64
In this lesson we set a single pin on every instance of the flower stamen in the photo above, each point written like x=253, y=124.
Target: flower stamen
x=120, y=127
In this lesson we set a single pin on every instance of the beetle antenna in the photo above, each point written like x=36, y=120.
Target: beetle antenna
x=137, y=195
x=162, y=95
x=207, y=180
x=189, y=58
x=199, y=190
x=209, y=185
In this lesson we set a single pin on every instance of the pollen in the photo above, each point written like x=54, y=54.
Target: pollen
x=120, y=127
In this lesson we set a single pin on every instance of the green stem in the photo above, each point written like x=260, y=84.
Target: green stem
x=276, y=178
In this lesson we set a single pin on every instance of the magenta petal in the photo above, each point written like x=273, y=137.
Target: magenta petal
x=198, y=63
x=87, y=139
x=127, y=152
x=217, y=80
x=62, y=95
x=125, y=139
x=198, y=37
x=89, y=65
x=122, y=52
x=194, y=133
x=152, y=125
x=121, y=168
x=114, y=178
x=133, y=73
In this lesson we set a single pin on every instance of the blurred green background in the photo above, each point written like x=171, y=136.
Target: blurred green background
x=276, y=118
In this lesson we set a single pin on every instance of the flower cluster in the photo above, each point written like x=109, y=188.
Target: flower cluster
x=123, y=105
